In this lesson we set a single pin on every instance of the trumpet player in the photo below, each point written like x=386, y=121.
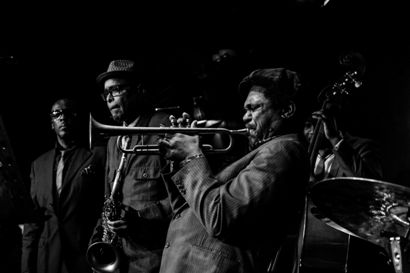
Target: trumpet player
x=133, y=182
x=239, y=219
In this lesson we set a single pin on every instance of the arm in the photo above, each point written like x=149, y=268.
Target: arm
x=176, y=201
x=266, y=181
x=355, y=156
x=31, y=235
x=358, y=157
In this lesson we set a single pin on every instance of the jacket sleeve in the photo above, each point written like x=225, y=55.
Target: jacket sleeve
x=263, y=183
x=176, y=201
x=359, y=158
x=31, y=234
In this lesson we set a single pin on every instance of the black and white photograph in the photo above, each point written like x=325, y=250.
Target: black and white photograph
x=253, y=137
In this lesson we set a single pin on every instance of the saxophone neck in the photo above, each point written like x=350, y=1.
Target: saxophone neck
x=118, y=178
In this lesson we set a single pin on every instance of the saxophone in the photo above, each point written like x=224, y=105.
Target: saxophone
x=103, y=255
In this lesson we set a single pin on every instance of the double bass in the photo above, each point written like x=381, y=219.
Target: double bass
x=326, y=246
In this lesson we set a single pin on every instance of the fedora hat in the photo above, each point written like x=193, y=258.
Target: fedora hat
x=118, y=68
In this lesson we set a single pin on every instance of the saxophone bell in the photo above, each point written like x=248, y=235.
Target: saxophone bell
x=103, y=257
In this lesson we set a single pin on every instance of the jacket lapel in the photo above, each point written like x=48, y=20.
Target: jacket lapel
x=47, y=175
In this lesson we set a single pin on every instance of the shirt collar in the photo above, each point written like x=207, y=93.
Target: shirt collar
x=260, y=142
x=132, y=124
x=59, y=148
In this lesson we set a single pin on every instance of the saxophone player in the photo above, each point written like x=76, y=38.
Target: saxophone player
x=133, y=181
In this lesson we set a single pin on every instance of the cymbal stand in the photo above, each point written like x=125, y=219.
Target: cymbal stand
x=395, y=247
x=396, y=253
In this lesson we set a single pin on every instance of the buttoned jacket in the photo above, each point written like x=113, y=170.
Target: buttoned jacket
x=67, y=220
x=143, y=196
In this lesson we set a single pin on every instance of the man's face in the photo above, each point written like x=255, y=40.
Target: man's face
x=63, y=119
x=308, y=130
x=260, y=118
x=118, y=98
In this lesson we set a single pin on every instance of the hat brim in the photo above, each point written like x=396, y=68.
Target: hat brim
x=112, y=74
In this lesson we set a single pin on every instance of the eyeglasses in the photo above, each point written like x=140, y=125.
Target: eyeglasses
x=56, y=114
x=115, y=91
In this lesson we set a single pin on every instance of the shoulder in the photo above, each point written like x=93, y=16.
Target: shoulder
x=99, y=150
x=44, y=156
x=285, y=147
x=95, y=152
x=284, y=142
x=358, y=142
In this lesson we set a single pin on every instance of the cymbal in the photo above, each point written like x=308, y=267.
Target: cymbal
x=366, y=208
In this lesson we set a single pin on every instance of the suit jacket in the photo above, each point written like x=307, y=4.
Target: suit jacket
x=236, y=221
x=144, y=199
x=66, y=225
x=358, y=157
x=326, y=247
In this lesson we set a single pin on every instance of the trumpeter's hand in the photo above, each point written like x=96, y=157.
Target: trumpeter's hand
x=180, y=146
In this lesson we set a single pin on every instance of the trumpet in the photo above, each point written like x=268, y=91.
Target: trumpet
x=113, y=130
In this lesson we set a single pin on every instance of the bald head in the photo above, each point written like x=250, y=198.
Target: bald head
x=64, y=120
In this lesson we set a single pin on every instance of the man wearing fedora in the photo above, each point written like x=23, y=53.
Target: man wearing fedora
x=144, y=204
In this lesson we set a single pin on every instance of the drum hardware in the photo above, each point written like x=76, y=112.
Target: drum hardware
x=373, y=210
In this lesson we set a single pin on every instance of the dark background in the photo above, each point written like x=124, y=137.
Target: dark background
x=51, y=51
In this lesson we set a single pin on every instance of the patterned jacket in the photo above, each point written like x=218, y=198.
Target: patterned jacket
x=237, y=220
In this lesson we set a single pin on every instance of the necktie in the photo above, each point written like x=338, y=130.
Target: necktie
x=323, y=164
x=59, y=175
x=319, y=167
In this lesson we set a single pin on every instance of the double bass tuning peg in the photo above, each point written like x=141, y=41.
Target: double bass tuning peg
x=353, y=61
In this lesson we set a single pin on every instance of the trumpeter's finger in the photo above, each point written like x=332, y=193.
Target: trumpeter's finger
x=173, y=121
x=194, y=124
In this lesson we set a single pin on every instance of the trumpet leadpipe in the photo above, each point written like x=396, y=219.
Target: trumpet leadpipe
x=113, y=130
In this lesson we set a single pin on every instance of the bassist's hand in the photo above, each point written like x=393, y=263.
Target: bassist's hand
x=330, y=127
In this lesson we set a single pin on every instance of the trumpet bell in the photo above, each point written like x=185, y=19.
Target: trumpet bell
x=103, y=257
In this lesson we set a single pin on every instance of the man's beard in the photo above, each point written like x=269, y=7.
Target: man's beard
x=117, y=115
x=257, y=138
x=252, y=141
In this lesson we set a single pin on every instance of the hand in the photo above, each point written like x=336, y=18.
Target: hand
x=179, y=147
x=331, y=130
x=118, y=226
